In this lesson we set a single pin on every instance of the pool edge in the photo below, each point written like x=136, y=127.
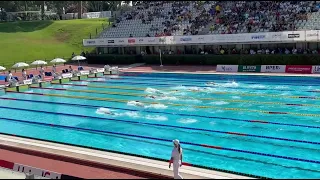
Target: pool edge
x=91, y=157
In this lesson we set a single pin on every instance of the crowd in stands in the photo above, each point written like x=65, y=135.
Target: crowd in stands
x=221, y=17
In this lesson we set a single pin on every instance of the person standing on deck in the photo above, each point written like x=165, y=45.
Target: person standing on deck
x=42, y=72
x=176, y=159
x=24, y=74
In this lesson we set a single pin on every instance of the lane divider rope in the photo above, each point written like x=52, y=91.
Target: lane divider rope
x=157, y=112
x=259, y=89
x=218, y=77
x=165, y=140
x=163, y=125
x=240, y=94
x=170, y=84
x=184, y=97
x=203, y=107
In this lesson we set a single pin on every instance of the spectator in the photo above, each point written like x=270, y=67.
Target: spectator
x=294, y=51
x=287, y=51
x=267, y=51
x=222, y=51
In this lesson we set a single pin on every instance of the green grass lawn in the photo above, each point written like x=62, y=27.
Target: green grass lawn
x=45, y=40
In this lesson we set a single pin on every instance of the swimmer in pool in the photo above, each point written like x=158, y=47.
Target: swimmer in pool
x=108, y=112
x=210, y=83
x=150, y=96
x=138, y=103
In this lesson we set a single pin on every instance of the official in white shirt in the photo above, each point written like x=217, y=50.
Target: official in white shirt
x=176, y=159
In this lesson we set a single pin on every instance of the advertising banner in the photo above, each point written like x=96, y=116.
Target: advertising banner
x=273, y=68
x=248, y=68
x=302, y=69
x=227, y=68
x=315, y=69
x=285, y=36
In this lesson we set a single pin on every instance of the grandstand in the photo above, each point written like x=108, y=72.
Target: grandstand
x=161, y=18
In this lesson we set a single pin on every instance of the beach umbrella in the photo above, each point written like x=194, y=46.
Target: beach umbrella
x=78, y=58
x=39, y=62
x=58, y=60
x=20, y=65
x=2, y=68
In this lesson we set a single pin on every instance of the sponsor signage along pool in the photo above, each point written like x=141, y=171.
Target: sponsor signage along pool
x=273, y=68
x=248, y=68
x=227, y=68
x=302, y=69
x=315, y=69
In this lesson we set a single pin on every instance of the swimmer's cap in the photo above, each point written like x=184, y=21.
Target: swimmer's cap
x=176, y=142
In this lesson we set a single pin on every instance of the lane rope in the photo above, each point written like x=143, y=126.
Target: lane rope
x=163, y=125
x=236, y=78
x=184, y=97
x=157, y=112
x=146, y=102
x=166, y=140
x=240, y=94
x=170, y=84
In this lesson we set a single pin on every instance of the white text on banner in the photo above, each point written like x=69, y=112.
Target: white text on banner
x=273, y=68
x=315, y=69
x=227, y=68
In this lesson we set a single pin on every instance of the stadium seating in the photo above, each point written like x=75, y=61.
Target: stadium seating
x=159, y=18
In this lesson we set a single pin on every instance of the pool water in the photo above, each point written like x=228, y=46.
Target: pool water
x=258, y=125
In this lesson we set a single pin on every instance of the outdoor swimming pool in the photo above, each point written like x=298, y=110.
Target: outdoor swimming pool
x=258, y=125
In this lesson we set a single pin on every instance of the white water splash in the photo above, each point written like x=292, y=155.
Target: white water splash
x=103, y=111
x=157, y=106
x=156, y=117
x=131, y=114
x=236, y=97
x=257, y=86
x=281, y=87
x=187, y=121
x=230, y=84
x=135, y=103
x=219, y=103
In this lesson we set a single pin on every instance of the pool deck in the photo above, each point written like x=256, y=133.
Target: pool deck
x=84, y=162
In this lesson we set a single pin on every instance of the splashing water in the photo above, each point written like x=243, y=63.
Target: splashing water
x=156, y=117
x=187, y=121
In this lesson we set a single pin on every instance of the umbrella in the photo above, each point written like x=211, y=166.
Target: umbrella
x=20, y=64
x=58, y=60
x=78, y=58
x=39, y=62
x=2, y=68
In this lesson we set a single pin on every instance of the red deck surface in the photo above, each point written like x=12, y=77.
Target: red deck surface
x=63, y=167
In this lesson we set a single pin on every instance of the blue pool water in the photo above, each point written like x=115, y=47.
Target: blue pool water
x=288, y=143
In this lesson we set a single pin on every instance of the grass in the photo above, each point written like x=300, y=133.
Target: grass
x=45, y=40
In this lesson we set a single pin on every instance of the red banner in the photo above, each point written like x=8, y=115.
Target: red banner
x=302, y=69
